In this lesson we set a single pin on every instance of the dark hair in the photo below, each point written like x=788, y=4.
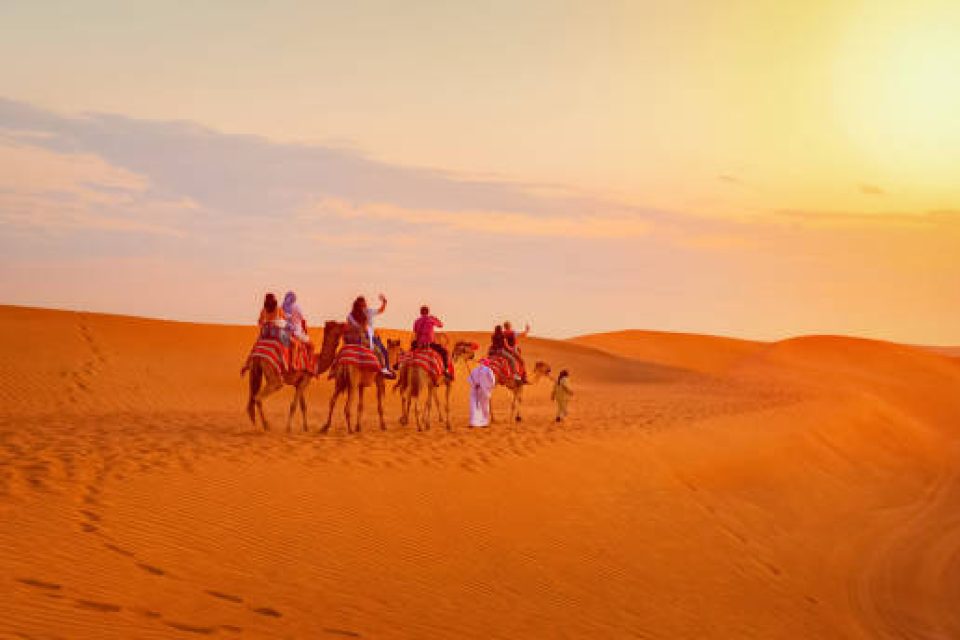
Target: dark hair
x=270, y=303
x=357, y=311
x=563, y=374
x=424, y=310
x=497, y=330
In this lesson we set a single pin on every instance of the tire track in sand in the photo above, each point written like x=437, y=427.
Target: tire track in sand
x=912, y=577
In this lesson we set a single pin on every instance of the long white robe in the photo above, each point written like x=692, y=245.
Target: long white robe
x=482, y=382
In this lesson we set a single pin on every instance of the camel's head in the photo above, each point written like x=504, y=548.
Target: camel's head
x=333, y=330
x=541, y=368
x=465, y=350
x=394, y=351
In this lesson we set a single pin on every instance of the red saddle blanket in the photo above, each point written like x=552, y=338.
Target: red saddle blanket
x=501, y=368
x=299, y=357
x=358, y=355
x=426, y=359
x=269, y=351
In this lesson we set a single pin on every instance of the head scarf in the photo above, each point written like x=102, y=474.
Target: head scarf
x=290, y=306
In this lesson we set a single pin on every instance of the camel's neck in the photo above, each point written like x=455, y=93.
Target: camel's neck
x=331, y=338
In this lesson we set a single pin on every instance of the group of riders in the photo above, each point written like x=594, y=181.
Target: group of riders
x=287, y=323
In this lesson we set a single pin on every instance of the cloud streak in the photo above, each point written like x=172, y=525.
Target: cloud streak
x=253, y=176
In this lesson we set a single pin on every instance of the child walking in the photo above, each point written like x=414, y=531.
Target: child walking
x=561, y=394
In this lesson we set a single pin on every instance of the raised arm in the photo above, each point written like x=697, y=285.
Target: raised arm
x=526, y=331
x=383, y=304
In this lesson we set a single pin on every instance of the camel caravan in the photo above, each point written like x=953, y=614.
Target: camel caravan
x=353, y=356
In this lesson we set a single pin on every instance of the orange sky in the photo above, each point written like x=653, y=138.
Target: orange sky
x=754, y=169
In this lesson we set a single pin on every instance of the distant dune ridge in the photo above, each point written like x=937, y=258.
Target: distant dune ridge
x=703, y=487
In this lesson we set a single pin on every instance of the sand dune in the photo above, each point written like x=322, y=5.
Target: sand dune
x=703, y=488
x=683, y=350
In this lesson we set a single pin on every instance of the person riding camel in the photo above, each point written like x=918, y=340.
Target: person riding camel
x=295, y=327
x=498, y=347
x=296, y=324
x=360, y=324
x=513, y=347
x=423, y=336
x=271, y=321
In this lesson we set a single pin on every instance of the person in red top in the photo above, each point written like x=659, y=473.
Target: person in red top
x=511, y=338
x=423, y=336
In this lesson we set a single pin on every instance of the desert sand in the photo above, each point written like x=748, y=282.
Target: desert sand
x=702, y=488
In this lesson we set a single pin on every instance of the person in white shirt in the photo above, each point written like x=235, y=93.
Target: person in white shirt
x=362, y=320
x=482, y=382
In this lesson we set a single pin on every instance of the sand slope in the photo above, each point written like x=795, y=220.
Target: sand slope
x=704, y=488
x=683, y=350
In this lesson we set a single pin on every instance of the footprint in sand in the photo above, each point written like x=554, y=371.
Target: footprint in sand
x=116, y=549
x=190, y=628
x=342, y=632
x=267, y=611
x=149, y=568
x=224, y=596
x=90, y=515
x=105, y=607
x=40, y=584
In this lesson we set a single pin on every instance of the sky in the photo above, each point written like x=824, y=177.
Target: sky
x=752, y=169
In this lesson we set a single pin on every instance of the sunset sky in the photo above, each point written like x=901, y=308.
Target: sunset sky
x=757, y=169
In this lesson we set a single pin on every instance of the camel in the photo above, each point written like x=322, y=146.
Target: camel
x=540, y=369
x=353, y=380
x=260, y=372
x=411, y=382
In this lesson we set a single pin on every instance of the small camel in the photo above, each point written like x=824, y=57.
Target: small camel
x=540, y=369
x=261, y=373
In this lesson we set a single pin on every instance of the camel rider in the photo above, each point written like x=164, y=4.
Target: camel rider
x=423, y=336
x=296, y=324
x=498, y=347
x=361, y=323
x=513, y=346
x=296, y=327
x=271, y=322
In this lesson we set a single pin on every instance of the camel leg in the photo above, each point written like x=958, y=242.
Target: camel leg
x=404, y=405
x=416, y=411
x=434, y=397
x=274, y=384
x=518, y=401
x=447, y=412
x=359, y=406
x=293, y=405
x=303, y=403
x=256, y=379
x=346, y=408
x=333, y=405
x=431, y=398
x=381, y=389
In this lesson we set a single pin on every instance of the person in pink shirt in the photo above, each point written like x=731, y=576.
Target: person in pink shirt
x=423, y=335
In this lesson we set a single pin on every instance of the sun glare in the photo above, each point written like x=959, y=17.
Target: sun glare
x=899, y=89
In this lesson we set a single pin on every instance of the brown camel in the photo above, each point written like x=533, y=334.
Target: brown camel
x=410, y=388
x=299, y=380
x=540, y=369
x=353, y=380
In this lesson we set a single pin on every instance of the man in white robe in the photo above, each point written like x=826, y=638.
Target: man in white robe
x=482, y=382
